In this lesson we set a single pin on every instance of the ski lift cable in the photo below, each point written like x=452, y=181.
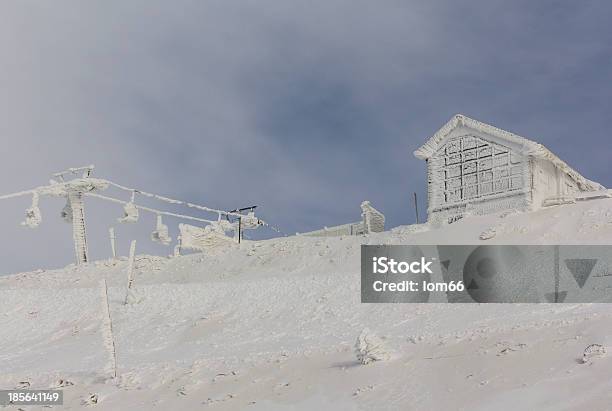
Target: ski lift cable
x=146, y=194
x=19, y=194
x=271, y=227
x=151, y=210
x=74, y=170
x=173, y=201
x=170, y=200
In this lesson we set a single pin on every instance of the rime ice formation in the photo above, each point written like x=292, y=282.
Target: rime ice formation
x=202, y=238
x=488, y=234
x=107, y=331
x=225, y=225
x=372, y=221
x=370, y=348
x=475, y=168
x=274, y=324
x=66, y=212
x=593, y=351
x=73, y=212
x=249, y=221
x=160, y=234
x=33, y=215
x=75, y=199
x=130, y=213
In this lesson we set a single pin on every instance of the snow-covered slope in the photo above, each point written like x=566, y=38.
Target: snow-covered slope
x=272, y=324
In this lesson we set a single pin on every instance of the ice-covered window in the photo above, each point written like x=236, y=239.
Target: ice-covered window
x=473, y=168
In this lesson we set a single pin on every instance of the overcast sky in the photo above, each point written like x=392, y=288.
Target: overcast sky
x=303, y=108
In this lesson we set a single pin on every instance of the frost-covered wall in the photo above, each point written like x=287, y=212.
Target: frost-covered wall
x=475, y=168
x=337, y=231
x=373, y=221
x=549, y=181
x=204, y=238
x=469, y=173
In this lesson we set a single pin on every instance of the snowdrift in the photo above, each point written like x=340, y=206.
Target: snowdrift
x=272, y=325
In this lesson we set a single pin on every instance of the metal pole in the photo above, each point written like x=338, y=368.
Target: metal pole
x=109, y=339
x=239, y=228
x=130, y=272
x=416, y=207
x=111, y=232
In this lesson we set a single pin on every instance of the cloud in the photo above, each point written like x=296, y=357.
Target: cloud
x=304, y=108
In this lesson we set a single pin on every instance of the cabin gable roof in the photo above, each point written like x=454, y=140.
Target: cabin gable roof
x=523, y=145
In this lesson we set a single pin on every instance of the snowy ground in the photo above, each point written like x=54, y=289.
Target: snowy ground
x=271, y=325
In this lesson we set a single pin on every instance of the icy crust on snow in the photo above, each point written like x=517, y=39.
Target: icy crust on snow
x=278, y=323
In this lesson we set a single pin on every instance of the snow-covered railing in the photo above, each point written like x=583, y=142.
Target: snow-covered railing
x=338, y=230
x=373, y=221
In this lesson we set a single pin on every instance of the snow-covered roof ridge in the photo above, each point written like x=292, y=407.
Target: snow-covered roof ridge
x=528, y=147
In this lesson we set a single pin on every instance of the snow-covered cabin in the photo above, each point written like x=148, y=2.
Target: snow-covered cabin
x=475, y=168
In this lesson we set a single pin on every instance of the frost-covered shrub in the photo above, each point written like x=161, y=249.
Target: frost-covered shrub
x=593, y=351
x=91, y=399
x=370, y=348
x=488, y=234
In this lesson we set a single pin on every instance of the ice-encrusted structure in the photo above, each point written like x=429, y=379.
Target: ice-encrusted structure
x=161, y=234
x=593, y=351
x=130, y=213
x=475, y=168
x=66, y=212
x=372, y=221
x=33, y=215
x=74, y=191
x=107, y=331
x=370, y=348
x=203, y=238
